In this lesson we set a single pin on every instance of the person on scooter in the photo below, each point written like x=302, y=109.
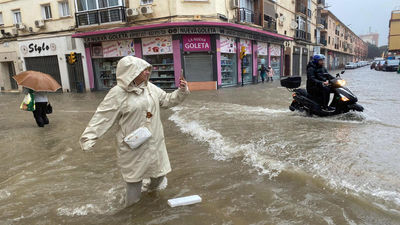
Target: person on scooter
x=318, y=81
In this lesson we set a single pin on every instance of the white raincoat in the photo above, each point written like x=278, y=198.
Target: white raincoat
x=128, y=105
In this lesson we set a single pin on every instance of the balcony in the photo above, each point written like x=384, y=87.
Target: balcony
x=321, y=4
x=321, y=23
x=301, y=8
x=100, y=16
x=269, y=23
x=323, y=42
x=245, y=15
x=302, y=35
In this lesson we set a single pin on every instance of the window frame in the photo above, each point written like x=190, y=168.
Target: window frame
x=44, y=11
x=120, y=3
x=1, y=19
x=61, y=5
x=15, y=13
x=149, y=3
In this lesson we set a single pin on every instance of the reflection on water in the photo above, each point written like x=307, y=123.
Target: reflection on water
x=241, y=149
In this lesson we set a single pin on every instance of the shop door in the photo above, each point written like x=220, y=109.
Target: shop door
x=304, y=62
x=75, y=74
x=296, y=65
x=11, y=72
x=198, y=67
x=287, y=65
x=45, y=64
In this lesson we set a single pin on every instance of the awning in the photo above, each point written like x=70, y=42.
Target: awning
x=269, y=9
x=184, y=24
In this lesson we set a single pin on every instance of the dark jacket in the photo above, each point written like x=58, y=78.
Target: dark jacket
x=316, y=76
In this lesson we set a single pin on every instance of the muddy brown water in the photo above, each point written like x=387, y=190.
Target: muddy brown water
x=241, y=149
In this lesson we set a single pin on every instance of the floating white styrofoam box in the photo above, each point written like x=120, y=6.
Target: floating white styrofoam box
x=188, y=200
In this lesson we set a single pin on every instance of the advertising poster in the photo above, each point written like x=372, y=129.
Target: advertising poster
x=157, y=45
x=228, y=44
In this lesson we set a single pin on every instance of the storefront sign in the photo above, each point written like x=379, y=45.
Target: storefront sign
x=38, y=48
x=275, y=50
x=157, y=45
x=262, y=48
x=247, y=44
x=196, y=43
x=118, y=48
x=228, y=44
x=181, y=30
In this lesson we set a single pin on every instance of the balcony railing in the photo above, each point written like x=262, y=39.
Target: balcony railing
x=269, y=23
x=321, y=2
x=302, y=35
x=323, y=42
x=245, y=15
x=100, y=16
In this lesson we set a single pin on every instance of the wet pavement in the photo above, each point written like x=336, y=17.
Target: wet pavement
x=241, y=149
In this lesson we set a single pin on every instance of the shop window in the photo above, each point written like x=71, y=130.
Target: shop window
x=146, y=2
x=46, y=12
x=64, y=9
x=17, y=17
x=84, y=5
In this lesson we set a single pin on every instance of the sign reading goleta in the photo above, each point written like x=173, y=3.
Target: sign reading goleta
x=180, y=30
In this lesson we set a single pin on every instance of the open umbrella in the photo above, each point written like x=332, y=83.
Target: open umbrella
x=37, y=81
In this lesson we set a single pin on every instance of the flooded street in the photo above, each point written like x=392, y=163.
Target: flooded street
x=250, y=159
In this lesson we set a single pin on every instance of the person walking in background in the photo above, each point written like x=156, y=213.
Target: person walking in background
x=40, y=111
x=270, y=73
x=263, y=72
x=134, y=103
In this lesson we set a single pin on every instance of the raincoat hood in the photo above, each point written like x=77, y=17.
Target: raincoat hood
x=128, y=69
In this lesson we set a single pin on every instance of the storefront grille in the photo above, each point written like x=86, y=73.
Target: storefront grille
x=100, y=16
x=44, y=64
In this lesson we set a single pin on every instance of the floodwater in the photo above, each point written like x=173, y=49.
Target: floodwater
x=250, y=159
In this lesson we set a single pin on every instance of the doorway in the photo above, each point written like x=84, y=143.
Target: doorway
x=198, y=67
x=76, y=74
x=11, y=72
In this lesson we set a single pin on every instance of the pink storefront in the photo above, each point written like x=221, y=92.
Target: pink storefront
x=207, y=52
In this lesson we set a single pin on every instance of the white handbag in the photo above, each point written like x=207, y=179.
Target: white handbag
x=137, y=137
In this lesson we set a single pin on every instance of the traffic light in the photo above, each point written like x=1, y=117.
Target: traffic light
x=242, y=52
x=72, y=58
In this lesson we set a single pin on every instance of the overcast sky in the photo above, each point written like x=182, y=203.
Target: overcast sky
x=362, y=14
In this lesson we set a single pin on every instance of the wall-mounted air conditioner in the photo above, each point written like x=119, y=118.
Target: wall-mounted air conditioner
x=234, y=4
x=39, y=23
x=20, y=26
x=146, y=10
x=132, y=12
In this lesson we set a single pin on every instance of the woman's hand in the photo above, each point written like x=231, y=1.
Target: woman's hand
x=182, y=83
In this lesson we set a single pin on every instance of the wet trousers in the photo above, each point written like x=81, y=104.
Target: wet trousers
x=40, y=114
x=134, y=190
x=325, y=92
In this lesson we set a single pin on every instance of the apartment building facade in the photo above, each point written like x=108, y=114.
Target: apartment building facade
x=394, y=33
x=37, y=36
x=340, y=44
x=203, y=37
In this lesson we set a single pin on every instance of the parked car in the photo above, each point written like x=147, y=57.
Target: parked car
x=379, y=66
x=350, y=65
x=391, y=65
x=373, y=64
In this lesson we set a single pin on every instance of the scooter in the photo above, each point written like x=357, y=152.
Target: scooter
x=343, y=100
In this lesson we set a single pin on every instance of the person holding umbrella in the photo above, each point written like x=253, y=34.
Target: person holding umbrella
x=36, y=84
x=134, y=104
